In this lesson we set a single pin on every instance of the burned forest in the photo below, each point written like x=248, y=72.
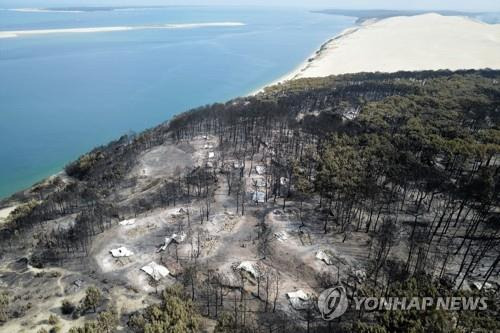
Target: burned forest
x=234, y=217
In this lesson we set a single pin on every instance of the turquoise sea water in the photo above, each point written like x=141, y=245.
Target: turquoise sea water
x=63, y=94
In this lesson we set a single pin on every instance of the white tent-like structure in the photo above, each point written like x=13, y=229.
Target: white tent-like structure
x=324, y=256
x=157, y=272
x=281, y=236
x=127, y=222
x=177, y=238
x=247, y=266
x=179, y=213
x=121, y=252
x=298, y=299
x=479, y=285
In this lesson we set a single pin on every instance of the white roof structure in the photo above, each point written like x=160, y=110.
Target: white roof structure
x=127, y=222
x=211, y=154
x=165, y=245
x=260, y=169
x=206, y=146
x=281, y=236
x=210, y=165
x=351, y=113
x=177, y=238
x=360, y=275
x=479, y=285
x=237, y=165
x=324, y=256
x=121, y=252
x=298, y=299
x=259, y=196
x=180, y=212
x=156, y=271
x=248, y=267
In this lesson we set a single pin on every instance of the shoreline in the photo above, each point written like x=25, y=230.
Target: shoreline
x=402, y=43
x=5, y=212
x=304, y=64
x=331, y=46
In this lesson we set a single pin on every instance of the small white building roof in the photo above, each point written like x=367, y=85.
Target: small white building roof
x=479, y=285
x=177, y=238
x=281, y=236
x=360, y=275
x=248, y=267
x=260, y=169
x=121, y=252
x=298, y=299
x=211, y=154
x=324, y=256
x=178, y=213
x=298, y=294
x=127, y=222
x=156, y=271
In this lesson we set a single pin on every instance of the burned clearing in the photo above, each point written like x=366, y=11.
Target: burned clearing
x=248, y=210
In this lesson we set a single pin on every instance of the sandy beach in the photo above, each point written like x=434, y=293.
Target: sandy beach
x=19, y=33
x=5, y=212
x=423, y=42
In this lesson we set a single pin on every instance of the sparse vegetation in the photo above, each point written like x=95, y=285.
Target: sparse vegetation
x=176, y=313
x=91, y=300
x=106, y=323
x=67, y=307
x=53, y=320
x=4, y=307
x=55, y=329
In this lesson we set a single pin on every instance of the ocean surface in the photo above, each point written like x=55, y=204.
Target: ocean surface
x=63, y=93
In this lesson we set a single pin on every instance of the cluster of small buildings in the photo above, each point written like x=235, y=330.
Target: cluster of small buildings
x=154, y=270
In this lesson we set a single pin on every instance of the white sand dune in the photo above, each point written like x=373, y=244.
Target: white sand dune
x=42, y=10
x=5, y=212
x=70, y=10
x=19, y=33
x=423, y=42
